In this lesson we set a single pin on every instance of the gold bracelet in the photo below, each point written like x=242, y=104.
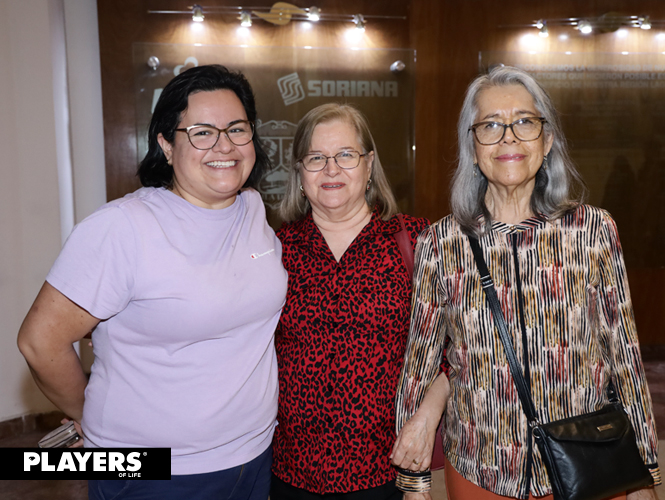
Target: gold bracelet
x=413, y=482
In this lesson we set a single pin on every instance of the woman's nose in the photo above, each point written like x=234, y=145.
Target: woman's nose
x=331, y=168
x=509, y=136
x=224, y=144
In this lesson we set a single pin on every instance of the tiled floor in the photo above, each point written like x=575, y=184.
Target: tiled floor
x=78, y=490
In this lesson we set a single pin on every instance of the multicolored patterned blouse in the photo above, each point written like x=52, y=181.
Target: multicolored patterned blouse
x=580, y=331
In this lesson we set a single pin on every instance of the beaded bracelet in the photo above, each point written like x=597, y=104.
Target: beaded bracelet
x=413, y=482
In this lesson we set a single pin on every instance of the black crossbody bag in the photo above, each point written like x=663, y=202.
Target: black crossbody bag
x=587, y=457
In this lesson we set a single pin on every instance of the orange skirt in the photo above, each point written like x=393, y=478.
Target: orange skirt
x=459, y=488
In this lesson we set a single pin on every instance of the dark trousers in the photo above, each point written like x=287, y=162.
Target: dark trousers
x=250, y=481
x=283, y=491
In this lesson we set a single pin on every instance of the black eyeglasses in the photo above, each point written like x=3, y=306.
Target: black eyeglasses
x=344, y=159
x=525, y=129
x=206, y=136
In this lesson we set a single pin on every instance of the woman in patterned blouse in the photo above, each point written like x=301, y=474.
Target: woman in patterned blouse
x=341, y=338
x=559, y=273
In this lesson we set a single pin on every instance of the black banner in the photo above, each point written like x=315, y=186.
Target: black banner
x=85, y=463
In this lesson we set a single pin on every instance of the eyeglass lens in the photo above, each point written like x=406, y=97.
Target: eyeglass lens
x=525, y=129
x=344, y=159
x=205, y=137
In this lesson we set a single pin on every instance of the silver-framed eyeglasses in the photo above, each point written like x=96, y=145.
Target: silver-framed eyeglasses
x=528, y=128
x=206, y=136
x=346, y=159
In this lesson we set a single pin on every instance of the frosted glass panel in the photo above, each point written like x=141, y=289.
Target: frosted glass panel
x=288, y=82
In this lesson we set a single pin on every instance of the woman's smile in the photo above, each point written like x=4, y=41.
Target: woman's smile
x=510, y=157
x=222, y=164
x=329, y=185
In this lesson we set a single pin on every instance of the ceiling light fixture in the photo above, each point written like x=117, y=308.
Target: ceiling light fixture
x=359, y=20
x=540, y=23
x=280, y=13
x=584, y=27
x=245, y=19
x=197, y=14
x=645, y=24
x=544, y=33
x=314, y=14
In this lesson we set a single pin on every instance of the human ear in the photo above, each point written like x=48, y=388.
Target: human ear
x=370, y=162
x=549, y=140
x=167, y=147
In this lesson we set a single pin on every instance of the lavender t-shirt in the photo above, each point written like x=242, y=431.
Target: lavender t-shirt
x=189, y=299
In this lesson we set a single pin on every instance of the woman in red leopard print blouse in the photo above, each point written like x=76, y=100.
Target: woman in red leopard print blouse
x=342, y=335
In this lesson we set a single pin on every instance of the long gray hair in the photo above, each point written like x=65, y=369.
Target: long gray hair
x=558, y=189
x=294, y=206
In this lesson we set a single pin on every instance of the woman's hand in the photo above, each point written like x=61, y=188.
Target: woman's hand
x=418, y=496
x=79, y=431
x=415, y=441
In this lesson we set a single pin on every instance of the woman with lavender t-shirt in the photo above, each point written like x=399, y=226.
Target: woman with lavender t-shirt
x=183, y=284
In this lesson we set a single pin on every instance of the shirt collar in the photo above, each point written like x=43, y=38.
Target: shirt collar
x=535, y=222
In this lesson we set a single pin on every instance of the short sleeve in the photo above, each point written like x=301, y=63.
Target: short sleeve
x=96, y=268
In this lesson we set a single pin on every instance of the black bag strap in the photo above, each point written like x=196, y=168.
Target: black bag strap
x=500, y=323
x=405, y=247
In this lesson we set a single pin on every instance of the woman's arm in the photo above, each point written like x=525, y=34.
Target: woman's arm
x=45, y=339
x=418, y=496
x=415, y=443
x=617, y=324
x=643, y=494
x=424, y=349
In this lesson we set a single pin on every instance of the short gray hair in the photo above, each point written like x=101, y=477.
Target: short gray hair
x=558, y=189
x=294, y=206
